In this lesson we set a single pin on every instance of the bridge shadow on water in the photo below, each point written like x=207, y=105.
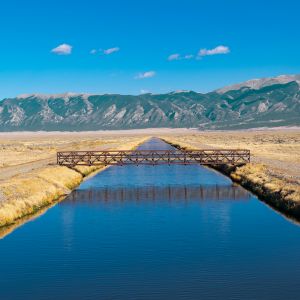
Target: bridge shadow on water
x=158, y=193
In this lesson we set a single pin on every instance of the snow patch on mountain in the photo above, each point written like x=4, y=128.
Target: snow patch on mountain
x=262, y=107
x=17, y=115
x=110, y=111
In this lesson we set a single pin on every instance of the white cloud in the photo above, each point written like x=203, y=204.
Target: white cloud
x=63, y=49
x=218, y=50
x=93, y=51
x=144, y=75
x=175, y=56
x=142, y=91
x=202, y=52
x=111, y=50
x=189, y=56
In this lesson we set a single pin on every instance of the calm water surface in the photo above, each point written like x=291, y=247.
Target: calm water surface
x=163, y=232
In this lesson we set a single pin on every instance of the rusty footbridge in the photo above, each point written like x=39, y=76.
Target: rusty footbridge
x=153, y=157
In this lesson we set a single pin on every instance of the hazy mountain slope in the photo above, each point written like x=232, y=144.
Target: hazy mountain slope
x=81, y=112
x=260, y=83
x=274, y=105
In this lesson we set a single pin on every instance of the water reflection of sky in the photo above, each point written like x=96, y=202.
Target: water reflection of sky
x=155, y=176
x=161, y=175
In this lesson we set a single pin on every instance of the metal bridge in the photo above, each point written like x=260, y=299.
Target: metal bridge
x=154, y=157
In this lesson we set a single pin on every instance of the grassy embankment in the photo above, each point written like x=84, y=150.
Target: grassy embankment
x=273, y=174
x=28, y=192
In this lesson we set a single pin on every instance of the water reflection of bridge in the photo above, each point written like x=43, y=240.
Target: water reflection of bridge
x=153, y=193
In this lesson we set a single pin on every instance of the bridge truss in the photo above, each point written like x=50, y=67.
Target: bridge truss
x=154, y=157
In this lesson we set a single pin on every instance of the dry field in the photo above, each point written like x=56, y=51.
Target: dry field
x=22, y=148
x=274, y=173
x=278, y=150
x=29, y=178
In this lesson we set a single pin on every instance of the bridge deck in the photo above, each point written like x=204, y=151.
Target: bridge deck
x=154, y=157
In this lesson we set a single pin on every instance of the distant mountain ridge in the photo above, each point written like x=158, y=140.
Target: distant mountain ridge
x=260, y=83
x=258, y=103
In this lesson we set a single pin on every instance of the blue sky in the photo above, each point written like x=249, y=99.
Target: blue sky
x=46, y=45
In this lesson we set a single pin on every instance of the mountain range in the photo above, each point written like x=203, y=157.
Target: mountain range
x=267, y=102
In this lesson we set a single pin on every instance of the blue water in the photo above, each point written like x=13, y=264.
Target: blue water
x=163, y=232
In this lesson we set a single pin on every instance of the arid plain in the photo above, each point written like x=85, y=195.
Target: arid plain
x=278, y=150
x=274, y=171
x=30, y=179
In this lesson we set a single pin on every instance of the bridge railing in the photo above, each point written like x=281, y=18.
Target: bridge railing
x=154, y=157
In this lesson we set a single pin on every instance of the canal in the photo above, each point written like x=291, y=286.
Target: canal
x=163, y=232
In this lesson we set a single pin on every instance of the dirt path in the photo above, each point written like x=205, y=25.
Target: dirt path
x=11, y=171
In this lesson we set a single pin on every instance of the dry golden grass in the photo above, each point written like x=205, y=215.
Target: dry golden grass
x=6, y=230
x=25, y=194
x=274, y=173
x=29, y=191
x=278, y=150
x=30, y=147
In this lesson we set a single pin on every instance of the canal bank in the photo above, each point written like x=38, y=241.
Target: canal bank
x=25, y=194
x=276, y=192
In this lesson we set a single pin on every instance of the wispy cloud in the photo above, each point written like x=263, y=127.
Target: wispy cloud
x=177, y=56
x=63, y=49
x=218, y=50
x=202, y=52
x=111, y=50
x=147, y=74
x=142, y=91
x=188, y=56
x=105, y=51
